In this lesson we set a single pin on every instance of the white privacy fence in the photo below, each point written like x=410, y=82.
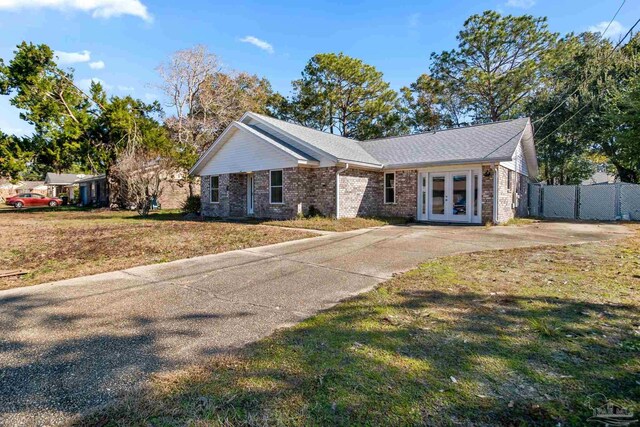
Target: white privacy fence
x=605, y=202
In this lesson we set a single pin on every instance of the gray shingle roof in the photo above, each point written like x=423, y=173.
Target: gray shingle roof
x=337, y=146
x=90, y=178
x=487, y=142
x=491, y=142
x=62, y=178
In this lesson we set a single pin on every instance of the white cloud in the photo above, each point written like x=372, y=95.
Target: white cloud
x=521, y=4
x=125, y=88
x=71, y=57
x=256, y=42
x=97, y=8
x=615, y=29
x=85, y=84
x=97, y=65
x=414, y=20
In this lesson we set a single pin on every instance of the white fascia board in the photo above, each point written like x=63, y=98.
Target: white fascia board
x=422, y=165
x=529, y=149
x=360, y=165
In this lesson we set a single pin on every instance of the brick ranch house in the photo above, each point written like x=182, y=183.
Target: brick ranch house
x=269, y=168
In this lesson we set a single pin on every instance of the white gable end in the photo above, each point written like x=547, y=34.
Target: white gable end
x=519, y=162
x=324, y=160
x=245, y=152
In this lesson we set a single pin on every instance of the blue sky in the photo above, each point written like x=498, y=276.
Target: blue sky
x=121, y=42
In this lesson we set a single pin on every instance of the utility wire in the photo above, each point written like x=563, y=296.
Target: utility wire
x=554, y=109
x=612, y=19
x=592, y=99
x=575, y=114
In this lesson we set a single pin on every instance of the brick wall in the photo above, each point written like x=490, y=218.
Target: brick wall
x=512, y=202
x=406, y=196
x=302, y=188
x=362, y=194
x=487, y=194
x=320, y=190
x=220, y=209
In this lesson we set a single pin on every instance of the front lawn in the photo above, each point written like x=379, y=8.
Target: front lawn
x=518, y=337
x=332, y=224
x=64, y=243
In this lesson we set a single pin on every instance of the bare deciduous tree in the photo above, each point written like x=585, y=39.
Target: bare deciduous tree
x=140, y=175
x=184, y=75
x=206, y=99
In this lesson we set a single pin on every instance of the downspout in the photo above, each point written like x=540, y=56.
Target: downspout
x=496, y=194
x=338, y=172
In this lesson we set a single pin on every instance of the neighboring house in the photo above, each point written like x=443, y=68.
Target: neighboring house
x=8, y=189
x=601, y=176
x=62, y=184
x=93, y=190
x=268, y=168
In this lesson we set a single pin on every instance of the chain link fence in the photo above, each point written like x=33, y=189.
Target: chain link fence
x=603, y=202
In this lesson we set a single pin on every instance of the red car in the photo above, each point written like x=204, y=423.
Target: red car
x=32, y=199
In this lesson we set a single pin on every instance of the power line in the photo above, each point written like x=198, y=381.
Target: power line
x=612, y=19
x=576, y=113
x=592, y=99
x=554, y=109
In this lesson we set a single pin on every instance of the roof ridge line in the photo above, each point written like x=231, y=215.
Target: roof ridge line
x=306, y=127
x=443, y=130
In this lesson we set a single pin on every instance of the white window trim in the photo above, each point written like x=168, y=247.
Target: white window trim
x=271, y=186
x=384, y=185
x=211, y=189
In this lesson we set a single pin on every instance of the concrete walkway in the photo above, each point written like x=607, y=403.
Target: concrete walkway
x=70, y=346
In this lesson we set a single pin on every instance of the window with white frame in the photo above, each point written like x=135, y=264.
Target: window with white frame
x=390, y=187
x=275, y=186
x=510, y=176
x=215, y=188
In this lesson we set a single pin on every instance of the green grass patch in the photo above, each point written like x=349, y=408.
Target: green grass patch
x=521, y=221
x=517, y=337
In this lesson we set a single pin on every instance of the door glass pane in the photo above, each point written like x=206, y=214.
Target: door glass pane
x=437, y=195
x=459, y=194
x=424, y=195
x=476, y=187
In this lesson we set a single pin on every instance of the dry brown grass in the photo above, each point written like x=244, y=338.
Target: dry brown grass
x=61, y=244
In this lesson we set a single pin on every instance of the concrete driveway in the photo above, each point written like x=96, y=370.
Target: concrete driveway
x=70, y=346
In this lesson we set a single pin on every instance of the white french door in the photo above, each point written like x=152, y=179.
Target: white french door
x=439, y=189
x=250, y=194
x=451, y=196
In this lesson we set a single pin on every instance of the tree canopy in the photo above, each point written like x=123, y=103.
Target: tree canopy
x=497, y=64
x=72, y=129
x=342, y=95
x=581, y=93
x=205, y=98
